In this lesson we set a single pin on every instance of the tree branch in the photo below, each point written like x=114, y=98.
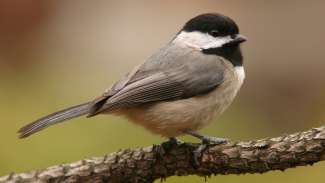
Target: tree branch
x=162, y=161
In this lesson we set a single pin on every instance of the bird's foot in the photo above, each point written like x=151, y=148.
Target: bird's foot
x=206, y=140
x=175, y=141
x=171, y=143
x=168, y=145
x=197, y=154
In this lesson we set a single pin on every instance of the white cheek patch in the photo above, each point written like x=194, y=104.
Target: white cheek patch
x=218, y=42
x=199, y=40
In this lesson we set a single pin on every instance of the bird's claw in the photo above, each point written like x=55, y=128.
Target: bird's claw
x=197, y=154
x=206, y=140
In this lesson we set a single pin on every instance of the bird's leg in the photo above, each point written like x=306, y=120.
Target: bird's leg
x=197, y=153
x=206, y=139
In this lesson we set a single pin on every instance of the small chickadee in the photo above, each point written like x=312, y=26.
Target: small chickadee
x=179, y=89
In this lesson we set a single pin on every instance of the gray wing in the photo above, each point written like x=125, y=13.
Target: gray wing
x=172, y=74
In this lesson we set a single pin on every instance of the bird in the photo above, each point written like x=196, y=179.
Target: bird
x=179, y=89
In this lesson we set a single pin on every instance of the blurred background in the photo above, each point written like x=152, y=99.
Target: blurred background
x=56, y=53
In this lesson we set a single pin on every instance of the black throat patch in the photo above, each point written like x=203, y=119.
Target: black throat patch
x=231, y=53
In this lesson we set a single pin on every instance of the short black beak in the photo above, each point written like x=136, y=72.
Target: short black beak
x=237, y=40
x=240, y=39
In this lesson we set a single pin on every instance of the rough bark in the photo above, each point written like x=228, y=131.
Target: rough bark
x=162, y=161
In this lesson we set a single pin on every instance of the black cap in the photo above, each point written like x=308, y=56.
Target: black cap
x=207, y=23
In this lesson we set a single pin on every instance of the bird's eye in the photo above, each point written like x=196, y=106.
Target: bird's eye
x=214, y=33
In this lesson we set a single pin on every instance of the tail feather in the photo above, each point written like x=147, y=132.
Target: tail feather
x=54, y=118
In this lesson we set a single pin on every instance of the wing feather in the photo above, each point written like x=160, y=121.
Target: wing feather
x=155, y=88
x=164, y=77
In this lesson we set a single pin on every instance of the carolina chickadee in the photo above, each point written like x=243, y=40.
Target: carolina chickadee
x=179, y=89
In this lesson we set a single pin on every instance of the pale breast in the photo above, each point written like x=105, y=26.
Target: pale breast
x=170, y=118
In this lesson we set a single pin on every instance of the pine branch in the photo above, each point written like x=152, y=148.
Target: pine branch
x=162, y=161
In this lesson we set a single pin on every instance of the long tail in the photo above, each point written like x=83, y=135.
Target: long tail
x=54, y=118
